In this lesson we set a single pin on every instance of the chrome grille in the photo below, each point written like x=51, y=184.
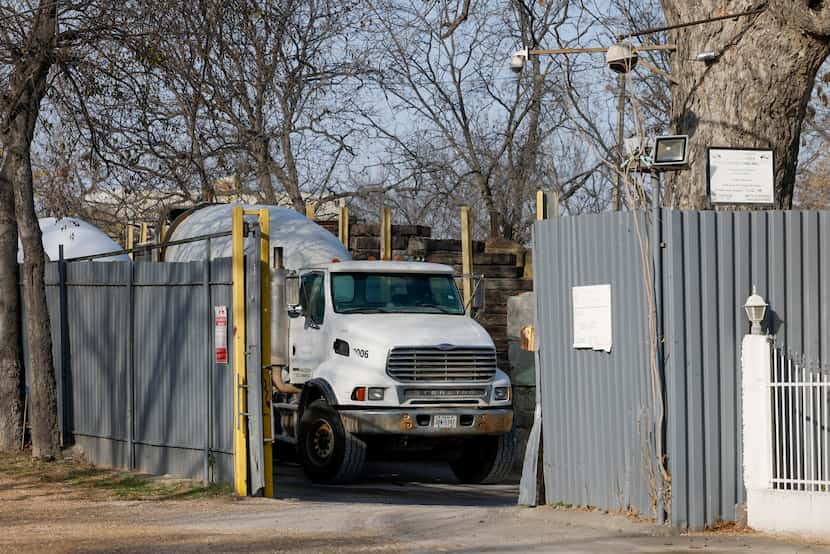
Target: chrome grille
x=430, y=363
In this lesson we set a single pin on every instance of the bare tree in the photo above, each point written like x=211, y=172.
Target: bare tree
x=268, y=83
x=24, y=87
x=456, y=92
x=39, y=45
x=11, y=366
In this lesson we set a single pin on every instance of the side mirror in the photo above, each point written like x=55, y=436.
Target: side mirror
x=292, y=290
x=478, y=300
x=295, y=311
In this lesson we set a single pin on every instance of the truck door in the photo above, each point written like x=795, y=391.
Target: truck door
x=308, y=343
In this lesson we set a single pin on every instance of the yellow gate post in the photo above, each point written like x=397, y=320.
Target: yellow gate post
x=343, y=226
x=386, y=234
x=541, y=205
x=130, y=235
x=311, y=211
x=265, y=334
x=240, y=428
x=467, y=256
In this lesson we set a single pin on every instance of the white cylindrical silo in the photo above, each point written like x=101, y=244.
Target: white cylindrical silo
x=78, y=238
x=304, y=243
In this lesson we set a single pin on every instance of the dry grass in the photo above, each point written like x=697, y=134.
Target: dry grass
x=78, y=476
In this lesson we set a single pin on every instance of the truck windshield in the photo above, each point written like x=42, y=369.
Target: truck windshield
x=395, y=293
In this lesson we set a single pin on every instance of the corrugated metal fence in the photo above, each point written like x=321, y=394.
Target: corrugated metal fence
x=134, y=356
x=596, y=406
x=599, y=415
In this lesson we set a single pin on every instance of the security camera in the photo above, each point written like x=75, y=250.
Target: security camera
x=517, y=61
x=634, y=146
x=621, y=58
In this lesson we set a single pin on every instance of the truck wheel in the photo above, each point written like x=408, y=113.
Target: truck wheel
x=485, y=459
x=328, y=453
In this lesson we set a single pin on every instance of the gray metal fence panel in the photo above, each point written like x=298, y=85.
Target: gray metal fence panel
x=596, y=406
x=140, y=387
x=711, y=261
x=98, y=338
x=222, y=409
x=169, y=360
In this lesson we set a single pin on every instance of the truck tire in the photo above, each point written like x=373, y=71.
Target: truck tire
x=485, y=459
x=327, y=452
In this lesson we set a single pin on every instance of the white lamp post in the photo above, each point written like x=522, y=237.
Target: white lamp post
x=756, y=309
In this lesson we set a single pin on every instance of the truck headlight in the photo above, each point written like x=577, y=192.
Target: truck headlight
x=376, y=393
x=501, y=393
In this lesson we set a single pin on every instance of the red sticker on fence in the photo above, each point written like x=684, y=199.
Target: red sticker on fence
x=220, y=333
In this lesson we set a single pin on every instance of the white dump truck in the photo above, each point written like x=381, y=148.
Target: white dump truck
x=374, y=358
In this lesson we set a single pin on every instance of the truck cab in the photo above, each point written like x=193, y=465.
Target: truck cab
x=384, y=360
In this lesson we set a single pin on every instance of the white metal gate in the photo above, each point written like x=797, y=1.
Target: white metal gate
x=800, y=406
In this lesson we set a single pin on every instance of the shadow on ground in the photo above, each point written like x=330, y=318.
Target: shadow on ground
x=421, y=483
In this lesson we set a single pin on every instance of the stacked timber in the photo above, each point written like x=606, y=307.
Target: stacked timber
x=364, y=240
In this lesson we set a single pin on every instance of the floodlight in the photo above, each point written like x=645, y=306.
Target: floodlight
x=671, y=151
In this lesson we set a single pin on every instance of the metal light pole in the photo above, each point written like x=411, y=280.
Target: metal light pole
x=620, y=138
x=621, y=59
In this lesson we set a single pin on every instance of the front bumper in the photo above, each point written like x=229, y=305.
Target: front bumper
x=420, y=421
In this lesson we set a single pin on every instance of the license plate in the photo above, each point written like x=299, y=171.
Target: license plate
x=444, y=421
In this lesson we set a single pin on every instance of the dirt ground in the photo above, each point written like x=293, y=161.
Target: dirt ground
x=70, y=507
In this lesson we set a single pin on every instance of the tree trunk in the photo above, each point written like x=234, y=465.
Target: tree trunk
x=289, y=179
x=45, y=433
x=11, y=366
x=263, y=173
x=28, y=85
x=754, y=96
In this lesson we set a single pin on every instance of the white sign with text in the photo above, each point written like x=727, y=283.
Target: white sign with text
x=738, y=176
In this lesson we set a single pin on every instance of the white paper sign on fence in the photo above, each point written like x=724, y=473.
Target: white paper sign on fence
x=592, y=317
